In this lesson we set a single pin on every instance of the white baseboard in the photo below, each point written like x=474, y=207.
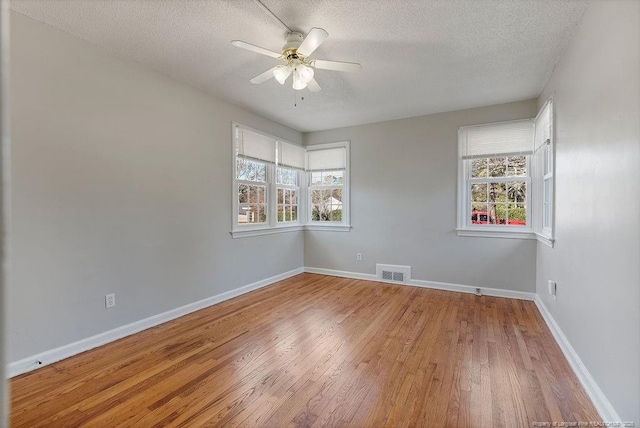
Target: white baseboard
x=494, y=292
x=51, y=356
x=599, y=400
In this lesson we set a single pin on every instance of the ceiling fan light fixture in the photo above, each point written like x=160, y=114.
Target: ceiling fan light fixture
x=305, y=73
x=281, y=73
x=297, y=82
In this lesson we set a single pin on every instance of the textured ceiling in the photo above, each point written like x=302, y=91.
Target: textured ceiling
x=418, y=56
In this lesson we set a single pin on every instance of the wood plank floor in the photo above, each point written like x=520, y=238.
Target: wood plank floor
x=319, y=351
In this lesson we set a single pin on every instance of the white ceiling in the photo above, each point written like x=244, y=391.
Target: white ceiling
x=418, y=56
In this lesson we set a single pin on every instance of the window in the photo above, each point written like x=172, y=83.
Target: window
x=287, y=190
x=251, y=179
x=495, y=179
x=328, y=195
x=544, y=168
x=273, y=191
x=267, y=174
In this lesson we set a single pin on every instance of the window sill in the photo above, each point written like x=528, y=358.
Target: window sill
x=265, y=231
x=328, y=227
x=545, y=240
x=486, y=233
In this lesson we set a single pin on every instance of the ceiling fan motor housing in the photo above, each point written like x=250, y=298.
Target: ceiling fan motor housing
x=294, y=40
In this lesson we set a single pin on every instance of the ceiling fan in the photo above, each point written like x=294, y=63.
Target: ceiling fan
x=295, y=57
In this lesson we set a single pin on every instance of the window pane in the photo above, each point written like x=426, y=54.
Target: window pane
x=243, y=193
x=338, y=178
x=316, y=178
x=517, y=191
x=262, y=194
x=253, y=194
x=280, y=196
x=326, y=197
x=478, y=168
x=547, y=159
x=294, y=197
x=261, y=172
x=251, y=171
x=256, y=214
x=336, y=197
x=497, y=167
x=241, y=170
x=497, y=192
x=287, y=196
x=547, y=191
x=499, y=214
x=517, y=214
x=479, y=192
x=517, y=166
x=242, y=215
x=335, y=213
x=294, y=213
x=278, y=175
x=546, y=215
x=479, y=213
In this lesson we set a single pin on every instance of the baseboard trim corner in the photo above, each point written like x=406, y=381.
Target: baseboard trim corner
x=53, y=355
x=603, y=406
x=494, y=292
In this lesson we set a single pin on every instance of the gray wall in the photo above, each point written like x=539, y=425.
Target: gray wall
x=121, y=183
x=596, y=260
x=403, y=205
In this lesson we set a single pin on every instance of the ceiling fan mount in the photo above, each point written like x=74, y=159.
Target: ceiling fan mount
x=295, y=55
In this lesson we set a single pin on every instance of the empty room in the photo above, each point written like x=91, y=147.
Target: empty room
x=320, y=213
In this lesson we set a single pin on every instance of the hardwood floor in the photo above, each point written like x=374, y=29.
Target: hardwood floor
x=319, y=351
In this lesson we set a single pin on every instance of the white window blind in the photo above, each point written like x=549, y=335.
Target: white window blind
x=543, y=125
x=327, y=159
x=290, y=155
x=496, y=139
x=255, y=146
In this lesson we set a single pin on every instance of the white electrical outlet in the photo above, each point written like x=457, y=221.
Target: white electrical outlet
x=553, y=288
x=359, y=257
x=110, y=300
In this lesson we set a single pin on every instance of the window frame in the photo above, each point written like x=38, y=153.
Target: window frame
x=239, y=230
x=544, y=170
x=345, y=224
x=464, y=225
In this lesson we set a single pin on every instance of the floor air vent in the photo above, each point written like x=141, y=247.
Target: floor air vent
x=393, y=273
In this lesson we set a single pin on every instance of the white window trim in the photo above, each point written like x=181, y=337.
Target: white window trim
x=272, y=226
x=334, y=226
x=543, y=234
x=464, y=227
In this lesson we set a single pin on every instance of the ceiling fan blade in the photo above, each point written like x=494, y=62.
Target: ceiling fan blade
x=254, y=48
x=313, y=86
x=263, y=77
x=314, y=39
x=336, y=65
